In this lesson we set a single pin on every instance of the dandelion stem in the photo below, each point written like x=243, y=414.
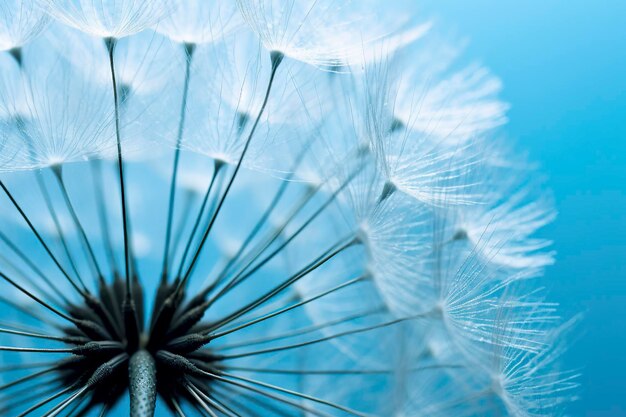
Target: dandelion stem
x=28, y=394
x=23, y=366
x=35, y=335
x=33, y=350
x=189, y=48
x=199, y=399
x=217, y=167
x=111, y=43
x=66, y=403
x=96, y=171
x=258, y=249
x=320, y=340
x=322, y=259
x=142, y=384
x=55, y=220
x=58, y=173
x=226, y=409
x=83, y=291
x=104, y=410
x=289, y=308
x=26, y=310
x=177, y=407
x=276, y=60
x=27, y=378
x=19, y=271
x=242, y=275
x=266, y=214
x=28, y=261
x=190, y=197
x=291, y=392
x=270, y=395
x=197, y=393
x=261, y=402
x=301, y=331
x=35, y=298
x=47, y=400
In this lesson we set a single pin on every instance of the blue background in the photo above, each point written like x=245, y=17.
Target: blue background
x=563, y=65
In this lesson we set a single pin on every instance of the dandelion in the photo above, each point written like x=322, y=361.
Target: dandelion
x=262, y=208
x=20, y=22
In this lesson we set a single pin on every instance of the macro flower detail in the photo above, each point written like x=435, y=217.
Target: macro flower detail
x=263, y=208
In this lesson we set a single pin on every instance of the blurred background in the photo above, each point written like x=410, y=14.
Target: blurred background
x=563, y=66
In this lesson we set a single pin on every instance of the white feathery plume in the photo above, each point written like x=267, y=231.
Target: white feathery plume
x=108, y=18
x=438, y=390
x=59, y=116
x=530, y=383
x=467, y=296
x=435, y=98
x=500, y=227
x=415, y=164
x=394, y=231
x=326, y=33
x=143, y=62
x=200, y=21
x=20, y=22
x=226, y=85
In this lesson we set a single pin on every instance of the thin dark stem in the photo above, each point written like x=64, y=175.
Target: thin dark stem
x=66, y=403
x=26, y=395
x=35, y=298
x=82, y=291
x=58, y=173
x=101, y=208
x=233, y=394
x=210, y=400
x=321, y=260
x=200, y=400
x=28, y=261
x=181, y=126
x=190, y=197
x=274, y=397
x=302, y=331
x=259, y=224
x=336, y=371
x=216, y=170
x=177, y=408
x=27, y=278
x=110, y=43
x=33, y=350
x=225, y=407
x=287, y=391
x=289, y=308
x=27, y=378
x=55, y=220
x=46, y=401
x=258, y=250
x=243, y=274
x=23, y=366
x=34, y=335
x=27, y=310
x=104, y=410
x=276, y=60
x=320, y=340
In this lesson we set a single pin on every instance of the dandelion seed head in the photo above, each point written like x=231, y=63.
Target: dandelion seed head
x=199, y=22
x=20, y=22
x=108, y=18
x=264, y=208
